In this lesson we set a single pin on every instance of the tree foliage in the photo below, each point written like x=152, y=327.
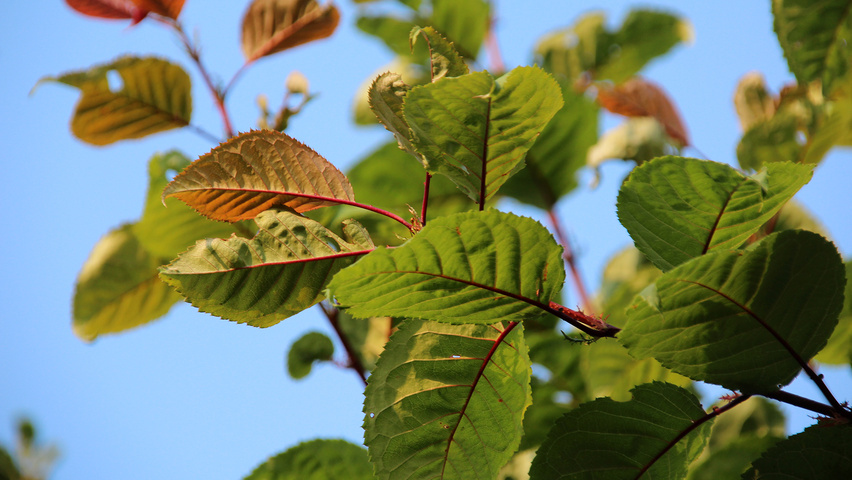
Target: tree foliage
x=730, y=283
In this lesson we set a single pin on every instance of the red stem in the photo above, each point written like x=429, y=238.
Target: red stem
x=570, y=259
x=497, y=66
x=425, y=199
x=354, y=360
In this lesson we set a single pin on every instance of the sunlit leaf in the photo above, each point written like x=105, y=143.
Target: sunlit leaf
x=309, y=348
x=569, y=52
x=815, y=38
x=392, y=31
x=771, y=140
x=834, y=128
x=118, y=9
x=678, y=208
x=445, y=60
x=476, y=130
x=261, y=281
x=638, y=97
x=753, y=101
x=474, y=267
x=818, y=452
x=118, y=288
x=639, y=139
x=317, y=460
x=605, y=439
x=464, y=22
x=386, y=96
x=166, y=8
x=734, y=317
x=154, y=95
x=257, y=171
x=560, y=151
x=446, y=401
x=272, y=26
x=838, y=350
x=166, y=230
x=367, y=336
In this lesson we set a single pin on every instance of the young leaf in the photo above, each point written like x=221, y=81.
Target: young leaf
x=560, y=151
x=316, y=459
x=447, y=401
x=309, y=348
x=821, y=451
x=386, y=97
x=640, y=98
x=154, y=96
x=257, y=171
x=476, y=130
x=261, y=281
x=815, y=38
x=445, y=60
x=165, y=231
x=615, y=440
x=746, y=320
x=464, y=22
x=474, y=267
x=118, y=288
x=272, y=26
x=679, y=208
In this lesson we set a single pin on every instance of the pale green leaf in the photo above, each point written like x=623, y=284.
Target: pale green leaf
x=731, y=460
x=309, y=348
x=679, y=208
x=477, y=130
x=366, y=336
x=392, y=31
x=447, y=401
x=464, y=22
x=166, y=230
x=474, y=267
x=771, y=140
x=445, y=60
x=261, y=281
x=638, y=138
x=272, y=26
x=838, y=350
x=815, y=38
x=821, y=451
x=560, y=151
x=317, y=460
x=385, y=97
x=605, y=439
x=257, y=171
x=153, y=95
x=118, y=288
x=734, y=318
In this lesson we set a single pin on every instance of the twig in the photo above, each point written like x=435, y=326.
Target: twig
x=495, y=59
x=354, y=360
x=806, y=403
x=425, y=199
x=570, y=259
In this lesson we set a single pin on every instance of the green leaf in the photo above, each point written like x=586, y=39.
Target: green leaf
x=733, y=459
x=476, y=130
x=8, y=469
x=154, y=95
x=367, y=337
x=392, y=31
x=560, y=151
x=834, y=127
x=638, y=138
x=261, y=281
x=721, y=318
x=447, y=401
x=118, y=288
x=317, y=460
x=679, y=208
x=474, y=267
x=838, y=350
x=445, y=60
x=821, y=451
x=309, y=348
x=772, y=140
x=815, y=38
x=257, y=171
x=464, y=22
x=605, y=439
x=588, y=47
x=386, y=97
x=166, y=230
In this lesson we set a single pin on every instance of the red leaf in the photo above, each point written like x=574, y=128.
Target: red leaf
x=118, y=9
x=640, y=98
x=166, y=8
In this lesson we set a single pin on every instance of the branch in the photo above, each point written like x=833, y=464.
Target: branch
x=425, y=199
x=695, y=424
x=354, y=360
x=808, y=404
x=570, y=259
x=496, y=64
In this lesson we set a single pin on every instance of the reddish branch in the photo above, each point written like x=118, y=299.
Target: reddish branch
x=570, y=259
x=354, y=360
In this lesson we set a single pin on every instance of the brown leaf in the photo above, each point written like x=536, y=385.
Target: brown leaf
x=640, y=98
x=166, y=8
x=271, y=26
x=257, y=171
x=118, y=9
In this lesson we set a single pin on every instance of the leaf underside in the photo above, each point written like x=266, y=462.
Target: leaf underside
x=447, y=401
x=272, y=26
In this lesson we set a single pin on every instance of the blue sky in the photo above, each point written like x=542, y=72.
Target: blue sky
x=192, y=396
